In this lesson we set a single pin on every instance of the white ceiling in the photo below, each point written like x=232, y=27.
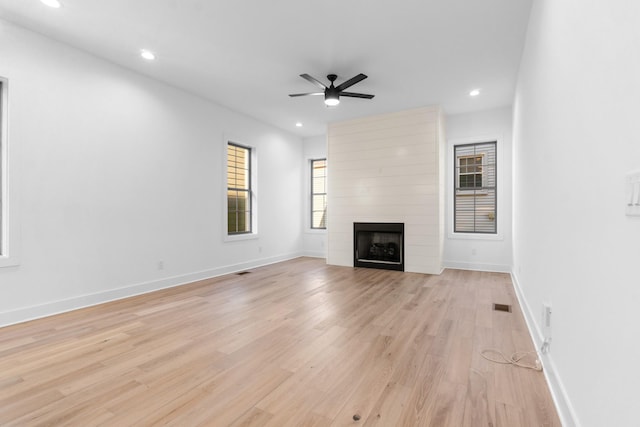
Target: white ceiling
x=247, y=54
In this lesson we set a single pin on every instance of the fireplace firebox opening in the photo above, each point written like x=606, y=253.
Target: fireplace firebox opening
x=378, y=245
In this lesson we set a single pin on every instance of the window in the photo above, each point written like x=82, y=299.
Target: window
x=475, y=188
x=9, y=218
x=319, y=194
x=3, y=164
x=238, y=189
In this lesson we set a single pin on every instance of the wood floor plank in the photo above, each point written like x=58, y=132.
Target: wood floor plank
x=449, y=408
x=476, y=410
x=420, y=410
x=297, y=343
x=253, y=417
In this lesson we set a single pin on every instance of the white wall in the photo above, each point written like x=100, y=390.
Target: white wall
x=387, y=168
x=117, y=172
x=481, y=252
x=314, y=242
x=576, y=132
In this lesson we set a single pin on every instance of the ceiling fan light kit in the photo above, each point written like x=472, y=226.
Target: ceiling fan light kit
x=331, y=101
x=332, y=93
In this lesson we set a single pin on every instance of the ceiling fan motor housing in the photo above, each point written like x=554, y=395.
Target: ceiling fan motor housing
x=332, y=93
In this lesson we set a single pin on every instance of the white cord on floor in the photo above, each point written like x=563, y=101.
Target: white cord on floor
x=515, y=358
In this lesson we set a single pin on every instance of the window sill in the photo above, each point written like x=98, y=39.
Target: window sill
x=9, y=261
x=316, y=231
x=475, y=236
x=240, y=237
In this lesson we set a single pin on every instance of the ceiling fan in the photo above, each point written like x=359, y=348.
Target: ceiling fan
x=332, y=93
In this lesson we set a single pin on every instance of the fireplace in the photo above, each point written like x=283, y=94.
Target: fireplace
x=378, y=245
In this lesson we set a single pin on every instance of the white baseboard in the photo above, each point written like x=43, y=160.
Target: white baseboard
x=494, y=268
x=566, y=412
x=314, y=254
x=55, y=307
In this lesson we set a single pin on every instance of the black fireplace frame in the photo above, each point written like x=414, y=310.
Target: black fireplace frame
x=382, y=227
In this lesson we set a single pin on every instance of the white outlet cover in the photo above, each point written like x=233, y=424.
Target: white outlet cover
x=546, y=320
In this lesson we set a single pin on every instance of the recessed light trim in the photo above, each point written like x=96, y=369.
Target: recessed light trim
x=51, y=3
x=474, y=92
x=147, y=54
x=298, y=125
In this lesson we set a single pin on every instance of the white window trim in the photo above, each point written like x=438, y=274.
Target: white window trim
x=226, y=237
x=450, y=172
x=10, y=256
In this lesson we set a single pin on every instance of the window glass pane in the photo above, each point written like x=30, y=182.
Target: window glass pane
x=319, y=220
x=318, y=193
x=232, y=201
x=465, y=220
x=319, y=185
x=2, y=172
x=319, y=202
x=319, y=167
x=238, y=189
x=243, y=201
x=244, y=222
x=231, y=223
x=243, y=179
x=475, y=194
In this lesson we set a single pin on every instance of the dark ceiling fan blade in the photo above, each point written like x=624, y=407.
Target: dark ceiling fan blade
x=356, y=95
x=351, y=82
x=306, y=94
x=313, y=80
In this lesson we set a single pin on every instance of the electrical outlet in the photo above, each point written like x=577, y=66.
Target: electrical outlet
x=546, y=321
x=160, y=265
x=547, y=316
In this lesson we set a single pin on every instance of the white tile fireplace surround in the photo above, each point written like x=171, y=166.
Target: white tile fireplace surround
x=388, y=169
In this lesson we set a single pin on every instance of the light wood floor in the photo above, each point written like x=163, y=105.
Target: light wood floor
x=297, y=343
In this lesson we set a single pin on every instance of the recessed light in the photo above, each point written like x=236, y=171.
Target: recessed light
x=51, y=3
x=474, y=92
x=147, y=54
x=298, y=125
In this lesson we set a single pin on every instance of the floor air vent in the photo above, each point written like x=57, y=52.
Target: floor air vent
x=242, y=273
x=502, y=307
